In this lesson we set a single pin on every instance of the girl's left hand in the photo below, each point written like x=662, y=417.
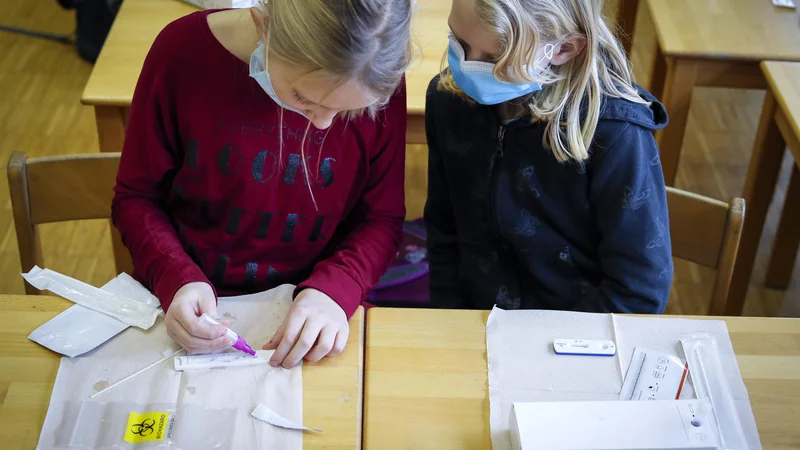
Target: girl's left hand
x=315, y=327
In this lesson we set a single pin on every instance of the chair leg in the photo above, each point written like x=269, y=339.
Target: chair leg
x=787, y=241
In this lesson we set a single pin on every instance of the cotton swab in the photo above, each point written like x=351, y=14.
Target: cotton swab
x=137, y=373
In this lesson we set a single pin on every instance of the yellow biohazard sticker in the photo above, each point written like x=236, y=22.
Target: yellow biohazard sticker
x=150, y=426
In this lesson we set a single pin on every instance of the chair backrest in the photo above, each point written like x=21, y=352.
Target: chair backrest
x=707, y=232
x=59, y=189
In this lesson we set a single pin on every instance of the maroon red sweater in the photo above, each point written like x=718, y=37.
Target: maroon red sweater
x=205, y=192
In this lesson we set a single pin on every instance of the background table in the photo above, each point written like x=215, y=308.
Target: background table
x=712, y=43
x=426, y=382
x=332, y=397
x=779, y=127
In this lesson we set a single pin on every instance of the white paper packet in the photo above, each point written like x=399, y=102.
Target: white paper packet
x=78, y=329
x=141, y=315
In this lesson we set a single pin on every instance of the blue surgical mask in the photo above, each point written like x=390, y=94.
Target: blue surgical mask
x=259, y=71
x=477, y=80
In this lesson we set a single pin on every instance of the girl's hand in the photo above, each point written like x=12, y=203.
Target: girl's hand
x=183, y=326
x=315, y=327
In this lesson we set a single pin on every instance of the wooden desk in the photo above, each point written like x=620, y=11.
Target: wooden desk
x=426, y=382
x=331, y=390
x=712, y=43
x=779, y=127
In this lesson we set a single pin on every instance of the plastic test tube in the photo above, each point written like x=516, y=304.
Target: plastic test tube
x=237, y=342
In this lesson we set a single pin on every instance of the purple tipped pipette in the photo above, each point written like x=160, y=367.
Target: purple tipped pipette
x=237, y=341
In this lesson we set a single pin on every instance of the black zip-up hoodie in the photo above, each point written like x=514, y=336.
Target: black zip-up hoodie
x=510, y=225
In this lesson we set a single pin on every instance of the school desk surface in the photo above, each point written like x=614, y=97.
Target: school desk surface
x=426, y=381
x=332, y=389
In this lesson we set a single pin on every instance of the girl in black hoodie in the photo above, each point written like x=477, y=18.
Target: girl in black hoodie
x=545, y=186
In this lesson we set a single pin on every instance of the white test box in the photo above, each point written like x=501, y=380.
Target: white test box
x=611, y=425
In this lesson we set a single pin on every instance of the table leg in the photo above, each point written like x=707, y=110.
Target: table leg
x=415, y=129
x=658, y=73
x=626, y=21
x=787, y=241
x=762, y=174
x=677, y=98
x=111, y=121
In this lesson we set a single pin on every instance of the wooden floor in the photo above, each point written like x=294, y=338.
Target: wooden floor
x=40, y=113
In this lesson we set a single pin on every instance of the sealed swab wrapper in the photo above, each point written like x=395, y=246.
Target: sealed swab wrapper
x=125, y=310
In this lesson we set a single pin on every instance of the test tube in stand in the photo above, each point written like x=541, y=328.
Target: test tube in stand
x=237, y=341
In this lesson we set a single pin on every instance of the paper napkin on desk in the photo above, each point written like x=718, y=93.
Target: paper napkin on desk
x=522, y=366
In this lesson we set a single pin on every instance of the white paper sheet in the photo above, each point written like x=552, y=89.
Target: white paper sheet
x=255, y=317
x=522, y=365
x=78, y=329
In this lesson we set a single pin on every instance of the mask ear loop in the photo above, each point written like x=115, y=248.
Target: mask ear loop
x=549, y=50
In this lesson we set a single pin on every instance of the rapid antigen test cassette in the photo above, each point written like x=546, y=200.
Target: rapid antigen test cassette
x=583, y=347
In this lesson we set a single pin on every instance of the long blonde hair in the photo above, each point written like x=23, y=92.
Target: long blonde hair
x=363, y=40
x=570, y=100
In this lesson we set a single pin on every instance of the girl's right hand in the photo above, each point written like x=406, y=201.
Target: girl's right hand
x=184, y=326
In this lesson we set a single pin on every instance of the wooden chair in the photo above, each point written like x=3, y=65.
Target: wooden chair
x=59, y=189
x=707, y=231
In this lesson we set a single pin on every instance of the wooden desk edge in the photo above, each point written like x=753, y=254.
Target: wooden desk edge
x=98, y=100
